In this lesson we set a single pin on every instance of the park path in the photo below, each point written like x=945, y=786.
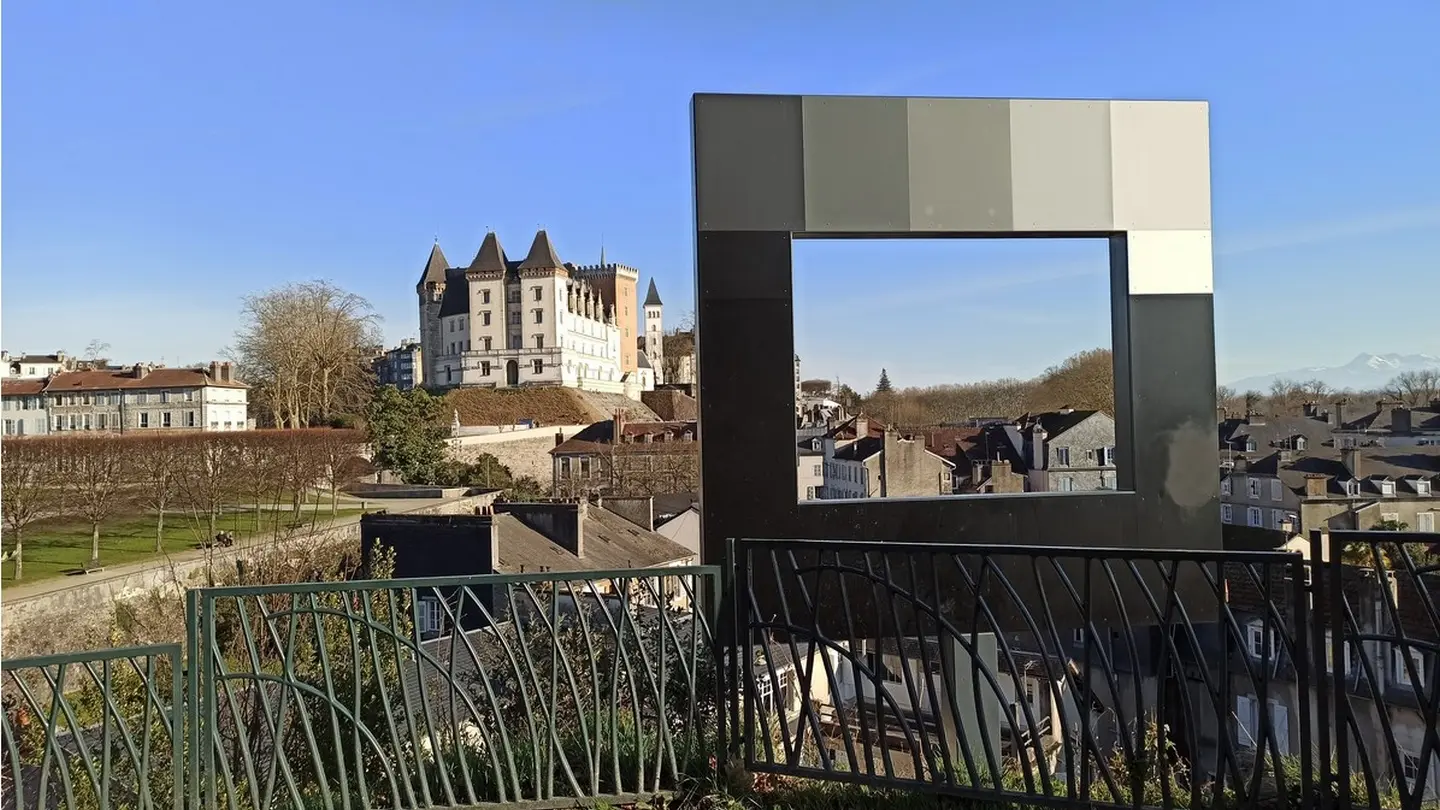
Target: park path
x=30, y=590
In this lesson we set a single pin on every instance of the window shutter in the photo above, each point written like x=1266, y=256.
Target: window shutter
x=1245, y=721
x=1280, y=723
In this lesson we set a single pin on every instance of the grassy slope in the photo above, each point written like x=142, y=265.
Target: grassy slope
x=551, y=406
x=56, y=547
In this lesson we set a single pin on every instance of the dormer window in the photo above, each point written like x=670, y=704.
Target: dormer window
x=1250, y=445
x=1401, y=671
x=1255, y=640
x=1422, y=487
x=1352, y=488
x=1299, y=442
x=1387, y=488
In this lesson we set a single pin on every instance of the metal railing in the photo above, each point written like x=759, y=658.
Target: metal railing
x=93, y=730
x=1086, y=677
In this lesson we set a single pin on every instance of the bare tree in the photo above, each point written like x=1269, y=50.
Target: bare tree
x=97, y=469
x=1227, y=399
x=1316, y=388
x=302, y=349
x=156, y=459
x=207, y=476
x=678, y=363
x=27, y=488
x=1415, y=389
x=338, y=449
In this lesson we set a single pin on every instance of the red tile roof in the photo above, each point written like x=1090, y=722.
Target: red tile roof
x=22, y=387
x=156, y=378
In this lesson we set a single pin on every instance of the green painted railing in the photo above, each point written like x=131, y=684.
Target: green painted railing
x=93, y=730
x=537, y=689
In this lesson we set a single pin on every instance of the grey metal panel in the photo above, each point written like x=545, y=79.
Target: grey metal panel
x=856, y=164
x=1060, y=165
x=959, y=164
x=1171, y=357
x=749, y=170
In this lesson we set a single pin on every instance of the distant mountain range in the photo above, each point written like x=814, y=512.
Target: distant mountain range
x=1365, y=372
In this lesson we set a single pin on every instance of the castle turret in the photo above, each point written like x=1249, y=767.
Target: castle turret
x=655, y=332
x=430, y=290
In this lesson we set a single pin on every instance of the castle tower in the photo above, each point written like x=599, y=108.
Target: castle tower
x=430, y=290
x=486, y=280
x=617, y=285
x=655, y=332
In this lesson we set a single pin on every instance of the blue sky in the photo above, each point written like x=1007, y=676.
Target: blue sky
x=162, y=159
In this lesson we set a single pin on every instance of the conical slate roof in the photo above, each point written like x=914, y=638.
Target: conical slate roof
x=542, y=254
x=434, y=267
x=490, y=257
x=652, y=298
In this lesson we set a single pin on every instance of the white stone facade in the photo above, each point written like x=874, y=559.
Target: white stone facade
x=502, y=324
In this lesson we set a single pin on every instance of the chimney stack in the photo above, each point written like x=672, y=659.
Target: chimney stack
x=559, y=438
x=215, y=370
x=862, y=426
x=1400, y=420
x=139, y=371
x=1316, y=486
x=581, y=508
x=619, y=425
x=1337, y=414
x=1350, y=457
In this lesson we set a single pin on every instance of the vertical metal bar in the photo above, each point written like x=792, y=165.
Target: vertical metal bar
x=191, y=729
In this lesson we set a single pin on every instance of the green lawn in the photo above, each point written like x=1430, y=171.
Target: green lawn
x=58, y=547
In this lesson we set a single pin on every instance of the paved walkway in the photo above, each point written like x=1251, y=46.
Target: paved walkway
x=30, y=590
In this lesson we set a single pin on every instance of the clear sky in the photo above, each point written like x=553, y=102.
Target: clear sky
x=164, y=158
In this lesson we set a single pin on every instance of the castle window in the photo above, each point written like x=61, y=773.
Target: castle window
x=512, y=295
x=485, y=365
x=539, y=294
x=487, y=342
x=485, y=316
x=485, y=299
x=538, y=366
x=515, y=317
x=539, y=341
x=539, y=315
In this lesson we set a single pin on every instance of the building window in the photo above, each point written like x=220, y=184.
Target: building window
x=1330, y=655
x=539, y=294
x=1225, y=486
x=1422, y=487
x=9, y=427
x=1255, y=640
x=515, y=338
x=485, y=316
x=1387, y=488
x=1402, y=672
x=1410, y=767
x=564, y=466
x=485, y=299
x=1277, y=490
x=1254, y=517
x=1425, y=521
x=515, y=317
x=431, y=616
x=190, y=419
x=1254, y=484
x=538, y=366
x=539, y=315
x=512, y=295
x=165, y=419
x=809, y=491
x=1227, y=514
x=452, y=324
x=1389, y=517
x=765, y=692
x=1352, y=488
x=539, y=341
x=100, y=420
x=1077, y=636
x=484, y=368
x=1277, y=517
x=1067, y=483
x=1250, y=446
x=486, y=343
x=585, y=467
x=817, y=470
x=144, y=420
x=1062, y=456
x=1300, y=442
x=1106, y=456
x=189, y=396
x=449, y=375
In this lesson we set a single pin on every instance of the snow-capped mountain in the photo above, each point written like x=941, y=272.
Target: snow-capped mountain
x=1365, y=372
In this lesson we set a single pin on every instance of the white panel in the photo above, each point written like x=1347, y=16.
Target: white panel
x=1160, y=164
x=1170, y=262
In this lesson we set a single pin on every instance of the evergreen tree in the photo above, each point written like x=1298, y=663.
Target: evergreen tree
x=408, y=432
x=884, y=386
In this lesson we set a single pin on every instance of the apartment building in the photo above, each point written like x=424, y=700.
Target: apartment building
x=618, y=457
x=135, y=399
x=402, y=366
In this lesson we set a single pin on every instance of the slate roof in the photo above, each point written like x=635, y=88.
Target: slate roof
x=652, y=297
x=861, y=449
x=1274, y=432
x=600, y=437
x=1404, y=465
x=1382, y=420
x=491, y=256
x=846, y=430
x=456, y=299
x=1055, y=423
x=542, y=254
x=435, y=267
x=157, y=378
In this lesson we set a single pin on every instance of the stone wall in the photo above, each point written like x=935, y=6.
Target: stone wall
x=85, y=611
x=529, y=456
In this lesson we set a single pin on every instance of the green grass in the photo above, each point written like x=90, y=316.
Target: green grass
x=57, y=547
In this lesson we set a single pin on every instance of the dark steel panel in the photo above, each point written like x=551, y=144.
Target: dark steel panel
x=749, y=167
